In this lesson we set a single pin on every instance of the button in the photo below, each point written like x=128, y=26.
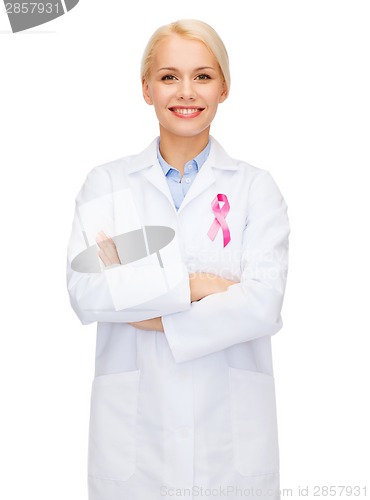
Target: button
x=190, y=166
x=187, y=180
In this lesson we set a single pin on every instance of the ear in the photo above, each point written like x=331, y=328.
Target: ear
x=224, y=92
x=146, y=93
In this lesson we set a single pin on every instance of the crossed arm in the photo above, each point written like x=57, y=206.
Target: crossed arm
x=201, y=284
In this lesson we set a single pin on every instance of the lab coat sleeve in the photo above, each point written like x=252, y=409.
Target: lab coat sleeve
x=252, y=308
x=94, y=296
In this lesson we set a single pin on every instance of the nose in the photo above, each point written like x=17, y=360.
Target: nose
x=186, y=91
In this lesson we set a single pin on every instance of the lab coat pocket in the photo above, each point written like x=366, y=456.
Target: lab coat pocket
x=254, y=422
x=112, y=431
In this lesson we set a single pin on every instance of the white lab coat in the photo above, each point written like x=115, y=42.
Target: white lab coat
x=191, y=412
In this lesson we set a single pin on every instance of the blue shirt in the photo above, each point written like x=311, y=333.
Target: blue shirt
x=178, y=185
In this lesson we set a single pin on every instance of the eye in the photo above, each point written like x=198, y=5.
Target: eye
x=203, y=76
x=168, y=78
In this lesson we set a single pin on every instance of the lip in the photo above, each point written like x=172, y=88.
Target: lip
x=186, y=112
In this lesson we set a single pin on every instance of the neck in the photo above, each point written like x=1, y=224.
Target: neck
x=179, y=150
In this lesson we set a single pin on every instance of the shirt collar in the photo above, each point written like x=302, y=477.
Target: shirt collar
x=199, y=159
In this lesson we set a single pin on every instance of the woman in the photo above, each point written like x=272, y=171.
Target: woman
x=183, y=400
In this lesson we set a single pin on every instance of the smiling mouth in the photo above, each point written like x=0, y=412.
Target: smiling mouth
x=186, y=111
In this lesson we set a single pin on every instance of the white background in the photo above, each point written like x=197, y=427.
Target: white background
x=299, y=106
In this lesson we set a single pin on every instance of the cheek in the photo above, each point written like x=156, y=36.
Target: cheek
x=213, y=96
x=214, y=102
x=160, y=96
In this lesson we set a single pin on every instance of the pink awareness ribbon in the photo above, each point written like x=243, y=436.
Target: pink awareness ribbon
x=220, y=216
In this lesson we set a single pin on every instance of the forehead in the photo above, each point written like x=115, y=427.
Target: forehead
x=177, y=51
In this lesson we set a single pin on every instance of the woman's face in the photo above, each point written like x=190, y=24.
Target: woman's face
x=185, y=86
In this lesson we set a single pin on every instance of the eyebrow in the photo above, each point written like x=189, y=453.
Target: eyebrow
x=196, y=69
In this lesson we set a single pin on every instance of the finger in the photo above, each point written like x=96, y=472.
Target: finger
x=104, y=258
x=108, y=247
x=102, y=236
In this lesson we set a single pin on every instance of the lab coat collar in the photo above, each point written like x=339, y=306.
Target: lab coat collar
x=217, y=158
x=149, y=163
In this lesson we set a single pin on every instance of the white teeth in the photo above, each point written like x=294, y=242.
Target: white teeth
x=186, y=111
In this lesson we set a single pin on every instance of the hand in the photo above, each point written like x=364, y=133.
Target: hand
x=203, y=284
x=149, y=324
x=108, y=250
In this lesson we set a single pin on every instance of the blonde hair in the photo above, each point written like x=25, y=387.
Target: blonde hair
x=192, y=29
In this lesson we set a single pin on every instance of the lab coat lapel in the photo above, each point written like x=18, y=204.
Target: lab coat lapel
x=148, y=165
x=217, y=159
x=157, y=178
x=203, y=180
